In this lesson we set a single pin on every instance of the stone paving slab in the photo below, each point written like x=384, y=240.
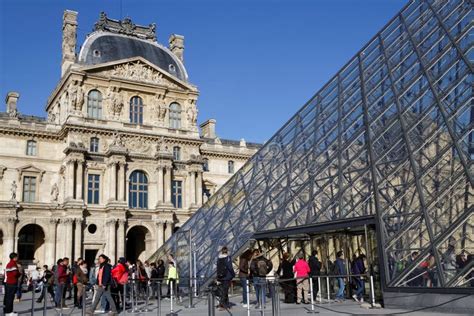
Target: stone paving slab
x=200, y=309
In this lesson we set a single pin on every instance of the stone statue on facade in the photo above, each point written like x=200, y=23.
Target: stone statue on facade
x=76, y=96
x=13, y=190
x=117, y=141
x=54, y=193
x=161, y=108
x=192, y=114
x=116, y=103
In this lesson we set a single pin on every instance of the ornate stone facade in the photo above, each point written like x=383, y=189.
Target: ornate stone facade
x=119, y=164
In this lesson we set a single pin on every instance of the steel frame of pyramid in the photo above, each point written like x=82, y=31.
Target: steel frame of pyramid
x=390, y=135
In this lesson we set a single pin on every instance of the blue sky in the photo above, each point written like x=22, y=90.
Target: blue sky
x=255, y=62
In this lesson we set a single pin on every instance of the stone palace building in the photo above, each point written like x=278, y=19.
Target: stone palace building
x=119, y=163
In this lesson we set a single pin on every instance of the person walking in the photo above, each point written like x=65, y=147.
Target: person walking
x=120, y=276
x=48, y=281
x=104, y=282
x=315, y=271
x=172, y=280
x=225, y=274
x=302, y=270
x=82, y=280
x=12, y=275
x=259, y=267
x=243, y=276
x=358, y=268
x=160, y=275
x=61, y=279
x=340, y=271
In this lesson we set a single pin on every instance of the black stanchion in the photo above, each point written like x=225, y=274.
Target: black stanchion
x=33, y=299
x=158, y=300
x=83, y=301
x=190, y=293
x=45, y=299
x=211, y=302
x=124, y=299
x=275, y=300
x=147, y=293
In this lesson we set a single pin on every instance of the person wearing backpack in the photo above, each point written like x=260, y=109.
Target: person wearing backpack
x=259, y=267
x=225, y=274
x=315, y=271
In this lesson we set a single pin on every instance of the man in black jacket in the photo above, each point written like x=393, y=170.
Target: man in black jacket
x=315, y=271
x=48, y=280
x=104, y=282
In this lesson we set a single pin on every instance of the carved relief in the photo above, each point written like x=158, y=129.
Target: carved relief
x=192, y=113
x=54, y=193
x=13, y=190
x=160, y=108
x=2, y=170
x=115, y=102
x=76, y=96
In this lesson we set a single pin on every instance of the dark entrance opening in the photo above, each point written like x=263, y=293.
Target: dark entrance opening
x=30, y=242
x=90, y=256
x=136, y=243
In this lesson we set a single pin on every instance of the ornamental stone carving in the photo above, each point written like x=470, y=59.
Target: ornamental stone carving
x=115, y=102
x=76, y=96
x=138, y=72
x=192, y=113
x=160, y=108
x=13, y=190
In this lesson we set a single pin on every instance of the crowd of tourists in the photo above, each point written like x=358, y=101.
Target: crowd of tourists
x=106, y=282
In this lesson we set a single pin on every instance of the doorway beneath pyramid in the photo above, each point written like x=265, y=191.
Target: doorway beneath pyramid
x=350, y=240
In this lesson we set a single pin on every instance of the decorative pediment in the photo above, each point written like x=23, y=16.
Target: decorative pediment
x=30, y=169
x=138, y=69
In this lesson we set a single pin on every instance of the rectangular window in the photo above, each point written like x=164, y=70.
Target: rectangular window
x=230, y=166
x=177, y=194
x=176, y=153
x=93, y=188
x=29, y=189
x=94, y=145
x=31, y=148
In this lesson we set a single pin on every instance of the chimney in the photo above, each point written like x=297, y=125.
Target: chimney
x=208, y=129
x=176, y=43
x=69, y=40
x=11, y=101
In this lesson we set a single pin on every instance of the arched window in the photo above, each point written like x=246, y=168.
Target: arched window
x=31, y=148
x=205, y=165
x=176, y=153
x=94, y=104
x=230, y=166
x=136, y=110
x=94, y=147
x=138, y=190
x=175, y=115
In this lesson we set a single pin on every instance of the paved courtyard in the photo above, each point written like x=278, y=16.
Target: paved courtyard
x=200, y=308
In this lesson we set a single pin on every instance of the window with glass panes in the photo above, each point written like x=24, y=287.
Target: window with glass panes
x=176, y=153
x=136, y=110
x=175, y=115
x=29, y=189
x=138, y=190
x=230, y=166
x=93, y=188
x=94, y=104
x=177, y=193
x=31, y=148
x=205, y=165
x=94, y=145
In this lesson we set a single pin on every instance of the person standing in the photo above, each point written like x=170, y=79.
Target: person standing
x=12, y=275
x=173, y=280
x=259, y=267
x=302, y=270
x=243, y=276
x=48, y=280
x=120, y=276
x=160, y=275
x=82, y=280
x=315, y=267
x=288, y=284
x=358, y=268
x=104, y=281
x=225, y=274
x=62, y=277
x=340, y=271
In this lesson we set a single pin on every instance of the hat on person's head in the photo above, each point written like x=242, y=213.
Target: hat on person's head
x=122, y=260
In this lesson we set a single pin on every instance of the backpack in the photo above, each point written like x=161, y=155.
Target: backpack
x=221, y=268
x=264, y=266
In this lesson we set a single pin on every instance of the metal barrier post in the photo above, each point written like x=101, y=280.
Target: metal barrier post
x=211, y=303
x=158, y=301
x=275, y=300
x=247, y=285
x=147, y=293
x=124, y=298
x=45, y=298
x=33, y=298
x=262, y=295
x=329, y=291
x=190, y=293
x=311, y=293
x=171, y=296
x=372, y=292
x=84, y=300
x=319, y=290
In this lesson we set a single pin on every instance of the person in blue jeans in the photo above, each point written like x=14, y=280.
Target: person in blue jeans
x=358, y=267
x=243, y=276
x=259, y=267
x=340, y=269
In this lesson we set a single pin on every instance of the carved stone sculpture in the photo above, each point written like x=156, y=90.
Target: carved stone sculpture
x=13, y=190
x=116, y=103
x=54, y=193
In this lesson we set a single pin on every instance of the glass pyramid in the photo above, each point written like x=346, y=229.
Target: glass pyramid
x=390, y=135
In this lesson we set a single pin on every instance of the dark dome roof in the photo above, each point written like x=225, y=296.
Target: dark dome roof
x=103, y=47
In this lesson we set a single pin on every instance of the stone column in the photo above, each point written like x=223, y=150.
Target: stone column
x=112, y=181
x=167, y=185
x=51, y=242
x=192, y=187
x=8, y=238
x=69, y=180
x=78, y=238
x=111, y=240
x=121, y=238
x=121, y=182
x=160, y=185
x=160, y=234
x=199, y=189
x=80, y=180
x=67, y=223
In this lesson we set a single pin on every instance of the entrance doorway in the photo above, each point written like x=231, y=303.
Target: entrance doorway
x=90, y=256
x=31, y=244
x=137, y=238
